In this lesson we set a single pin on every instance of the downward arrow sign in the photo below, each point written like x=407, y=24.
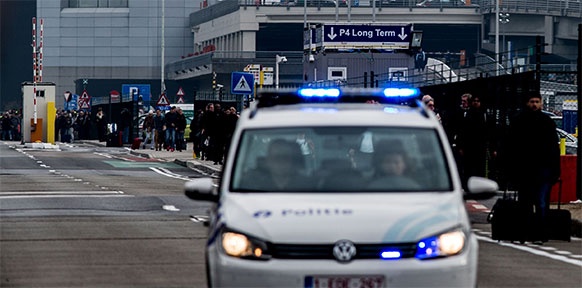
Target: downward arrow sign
x=402, y=35
x=332, y=35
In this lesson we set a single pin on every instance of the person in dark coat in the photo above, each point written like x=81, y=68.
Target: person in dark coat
x=196, y=133
x=475, y=140
x=534, y=162
x=170, y=122
x=180, y=129
x=125, y=123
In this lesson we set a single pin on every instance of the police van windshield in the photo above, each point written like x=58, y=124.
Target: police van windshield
x=340, y=159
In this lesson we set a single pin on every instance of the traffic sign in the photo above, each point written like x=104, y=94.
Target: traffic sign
x=85, y=95
x=180, y=92
x=84, y=104
x=180, y=100
x=242, y=83
x=355, y=36
x=163, y=101
x=135, y=92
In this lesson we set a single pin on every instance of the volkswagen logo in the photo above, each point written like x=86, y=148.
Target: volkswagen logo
x=344, y=250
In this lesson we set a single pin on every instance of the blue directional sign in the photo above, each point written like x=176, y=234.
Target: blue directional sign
x=356, y=36
x=242, y=83
x=135, y=92
x=73, y=103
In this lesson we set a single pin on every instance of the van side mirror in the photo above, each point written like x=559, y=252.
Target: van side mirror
x=480, y=188
x=202, y=189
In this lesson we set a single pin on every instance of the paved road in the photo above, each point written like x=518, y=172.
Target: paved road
x=102, y=217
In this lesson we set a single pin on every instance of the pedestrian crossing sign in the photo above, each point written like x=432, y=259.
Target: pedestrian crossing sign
x=242, y=83
x=163, y=101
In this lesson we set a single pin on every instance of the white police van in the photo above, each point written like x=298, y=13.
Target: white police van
x=340, y=188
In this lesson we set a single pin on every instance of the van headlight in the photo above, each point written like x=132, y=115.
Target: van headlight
x=239, y=245
x=441, y=245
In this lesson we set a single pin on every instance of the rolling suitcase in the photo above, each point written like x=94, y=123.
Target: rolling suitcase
x=559, y=221
x=114, y=139
x=136, y=143
x=508, y=220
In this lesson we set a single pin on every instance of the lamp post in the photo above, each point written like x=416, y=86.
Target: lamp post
x=496, y=37
x=503, y=19
x=278, y=59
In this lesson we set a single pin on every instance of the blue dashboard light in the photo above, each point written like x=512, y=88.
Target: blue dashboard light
x=319, y=92
x=401, y=92
x=390, y=254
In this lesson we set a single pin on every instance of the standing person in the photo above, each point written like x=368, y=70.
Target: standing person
x=170, y=122
x=420, y=60
x=219, y=142
x=207, y=128
x=101, y=124
x=453, y=122
x=534, y=162
x=148, y=130
x=180, y=129
x=6, y=127
x=196, y=133
x=159, y=127
x=230, y=119
x=125, y=123
x=83, y=125
x=475, y=140
x=15, y=119
x=429, y=102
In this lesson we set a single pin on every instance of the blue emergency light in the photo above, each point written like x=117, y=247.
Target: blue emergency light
x=391, y=254
x=288, y=96
x=319, y=92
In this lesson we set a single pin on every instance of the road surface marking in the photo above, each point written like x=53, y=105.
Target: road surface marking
x=532, y=251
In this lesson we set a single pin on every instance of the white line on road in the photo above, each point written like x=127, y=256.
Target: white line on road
x=170, y=208
x=169, y=174
x=532, y=251
x=58, y=192
x=103, y=154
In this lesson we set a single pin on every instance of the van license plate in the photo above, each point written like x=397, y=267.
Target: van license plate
x=375, y=281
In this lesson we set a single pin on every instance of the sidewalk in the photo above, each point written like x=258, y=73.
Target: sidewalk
x=184, y=158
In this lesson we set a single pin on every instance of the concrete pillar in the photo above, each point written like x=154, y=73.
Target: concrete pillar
x=549, y=33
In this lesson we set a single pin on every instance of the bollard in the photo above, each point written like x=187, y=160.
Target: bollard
x=562, y=146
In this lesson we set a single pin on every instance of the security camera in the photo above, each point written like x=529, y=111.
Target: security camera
x=311, y=58
x=283, y=59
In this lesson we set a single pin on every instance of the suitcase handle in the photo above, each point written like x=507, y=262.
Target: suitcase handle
x=559, y=193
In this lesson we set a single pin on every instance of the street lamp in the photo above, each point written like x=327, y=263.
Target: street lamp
x=503, y=19
x=278, y=59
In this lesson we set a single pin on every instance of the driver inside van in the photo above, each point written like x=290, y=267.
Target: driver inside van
x=392, y=168
x=280, y=170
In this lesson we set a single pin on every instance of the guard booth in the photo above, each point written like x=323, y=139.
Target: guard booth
x=42, y=128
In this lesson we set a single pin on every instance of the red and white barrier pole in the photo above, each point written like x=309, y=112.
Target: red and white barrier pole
x=34, y=62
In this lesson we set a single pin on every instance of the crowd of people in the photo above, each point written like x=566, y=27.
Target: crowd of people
x=10, y=124
x=483, y=148
x=211, y=132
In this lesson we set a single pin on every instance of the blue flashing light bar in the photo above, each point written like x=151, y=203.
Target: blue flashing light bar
x=290, y=96
x=390, y=254
x=319, y=92
x=401, y=92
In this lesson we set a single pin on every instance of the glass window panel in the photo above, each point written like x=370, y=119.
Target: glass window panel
x=340, y=159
